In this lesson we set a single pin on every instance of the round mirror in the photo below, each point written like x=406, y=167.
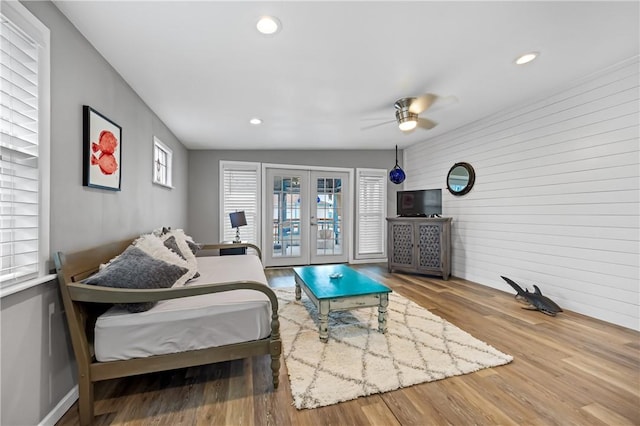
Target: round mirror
x=460, y=178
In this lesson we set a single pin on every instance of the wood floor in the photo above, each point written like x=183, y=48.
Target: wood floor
x=570, y=369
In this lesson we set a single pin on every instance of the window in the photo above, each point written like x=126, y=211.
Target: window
x=240, y=191
x=371, y=212
x=162, y=163
x=24, y=149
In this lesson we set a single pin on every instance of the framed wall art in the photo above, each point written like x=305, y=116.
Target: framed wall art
x=102, y=151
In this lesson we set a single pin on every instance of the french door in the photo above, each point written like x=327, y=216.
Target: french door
x=306, y=215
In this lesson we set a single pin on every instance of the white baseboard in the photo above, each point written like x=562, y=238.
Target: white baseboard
x=356, y=261
x=63, y=406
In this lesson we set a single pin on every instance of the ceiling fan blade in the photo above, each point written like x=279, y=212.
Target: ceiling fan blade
x=377, y=125
x=425, y=123
x=446, y=101
x=422, y=103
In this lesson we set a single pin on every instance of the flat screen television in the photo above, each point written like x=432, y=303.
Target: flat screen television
x=419, y=203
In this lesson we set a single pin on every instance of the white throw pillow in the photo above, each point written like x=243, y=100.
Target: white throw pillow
x=154, y=246
x=187, y=254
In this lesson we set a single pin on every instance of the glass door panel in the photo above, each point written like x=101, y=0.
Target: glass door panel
x=327, y=239
x=287, y=240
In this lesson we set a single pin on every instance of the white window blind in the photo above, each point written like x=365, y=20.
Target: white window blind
x=240, y=190
x=20, y=159
x=162, y=163
x=24, y=149
x=371, y=211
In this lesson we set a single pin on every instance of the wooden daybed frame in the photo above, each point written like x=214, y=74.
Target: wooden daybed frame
x=83, y=303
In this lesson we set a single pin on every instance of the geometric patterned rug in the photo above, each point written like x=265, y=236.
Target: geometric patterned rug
x=358, y=360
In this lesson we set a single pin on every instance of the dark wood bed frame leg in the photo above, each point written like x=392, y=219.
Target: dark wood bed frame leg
x=275, y=346
x=275, y=369
x=85, y=400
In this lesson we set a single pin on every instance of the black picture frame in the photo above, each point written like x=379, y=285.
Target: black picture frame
x=101, y=151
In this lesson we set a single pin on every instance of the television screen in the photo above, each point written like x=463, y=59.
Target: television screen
x=424, y=202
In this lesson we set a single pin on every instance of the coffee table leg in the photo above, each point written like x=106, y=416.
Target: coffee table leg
x=323, y=317
x=298, y=292
x=382, y=313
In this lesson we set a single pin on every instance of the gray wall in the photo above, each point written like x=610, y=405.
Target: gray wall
x=204, y=173
x=36, y=366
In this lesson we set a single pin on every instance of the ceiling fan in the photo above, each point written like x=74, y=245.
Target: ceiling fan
x=408, y=111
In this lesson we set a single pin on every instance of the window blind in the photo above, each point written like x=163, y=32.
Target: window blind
x=19, y=155
x=371, y=210
x=240, y=190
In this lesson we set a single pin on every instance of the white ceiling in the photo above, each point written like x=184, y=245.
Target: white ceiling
x=336, y=67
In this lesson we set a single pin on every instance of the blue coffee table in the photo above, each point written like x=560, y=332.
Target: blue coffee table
x=339, y=288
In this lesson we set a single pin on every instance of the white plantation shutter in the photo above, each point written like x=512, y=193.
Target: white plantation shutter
x=23, y=154
x=240, y=190
x=371, y=211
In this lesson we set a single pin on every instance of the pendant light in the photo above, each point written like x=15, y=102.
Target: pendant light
x=397, y=175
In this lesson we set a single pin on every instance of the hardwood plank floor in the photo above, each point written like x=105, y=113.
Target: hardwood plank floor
x=568, y=369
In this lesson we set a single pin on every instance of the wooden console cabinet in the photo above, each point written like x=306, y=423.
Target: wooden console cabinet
x=420, y=244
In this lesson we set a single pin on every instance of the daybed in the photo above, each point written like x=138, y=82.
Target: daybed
x=227, y=312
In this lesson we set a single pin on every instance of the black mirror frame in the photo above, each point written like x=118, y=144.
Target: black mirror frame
x=472, y=178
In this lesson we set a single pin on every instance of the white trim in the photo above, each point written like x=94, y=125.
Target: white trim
x=61, y=408
x=31, y=25
x=350, y=210
x=304, y=167
x=8, y=290
x=361, y=261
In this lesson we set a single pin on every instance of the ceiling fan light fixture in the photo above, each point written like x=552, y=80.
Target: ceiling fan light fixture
x=406, y=120
x=526, y=58
x=407, y=125
x=268, y=25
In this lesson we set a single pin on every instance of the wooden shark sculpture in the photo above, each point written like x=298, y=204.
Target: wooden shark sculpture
x=535, y=300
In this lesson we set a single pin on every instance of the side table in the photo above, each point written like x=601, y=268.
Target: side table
x=232, y=251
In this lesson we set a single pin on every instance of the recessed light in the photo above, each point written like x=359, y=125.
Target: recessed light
x=255, y=121
x=526, y=58
x=268, y=25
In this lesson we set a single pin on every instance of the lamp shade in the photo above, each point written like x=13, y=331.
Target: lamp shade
x=237, y=219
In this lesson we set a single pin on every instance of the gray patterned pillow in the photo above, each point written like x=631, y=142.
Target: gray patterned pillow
x=136, y=269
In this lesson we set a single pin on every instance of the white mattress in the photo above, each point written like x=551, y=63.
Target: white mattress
x=189, y=323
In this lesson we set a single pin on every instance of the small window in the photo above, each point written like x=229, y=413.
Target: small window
x=24, y=147
x=162, y=160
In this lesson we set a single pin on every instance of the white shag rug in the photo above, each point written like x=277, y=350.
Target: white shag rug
x=358, y=360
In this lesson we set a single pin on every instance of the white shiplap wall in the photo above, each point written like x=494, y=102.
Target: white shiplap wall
x=557, y=196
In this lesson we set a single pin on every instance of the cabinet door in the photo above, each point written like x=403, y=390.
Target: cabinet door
x=401, y=250
x=429, y=238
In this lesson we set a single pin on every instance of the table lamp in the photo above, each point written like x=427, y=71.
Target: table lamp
x=238, y=219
